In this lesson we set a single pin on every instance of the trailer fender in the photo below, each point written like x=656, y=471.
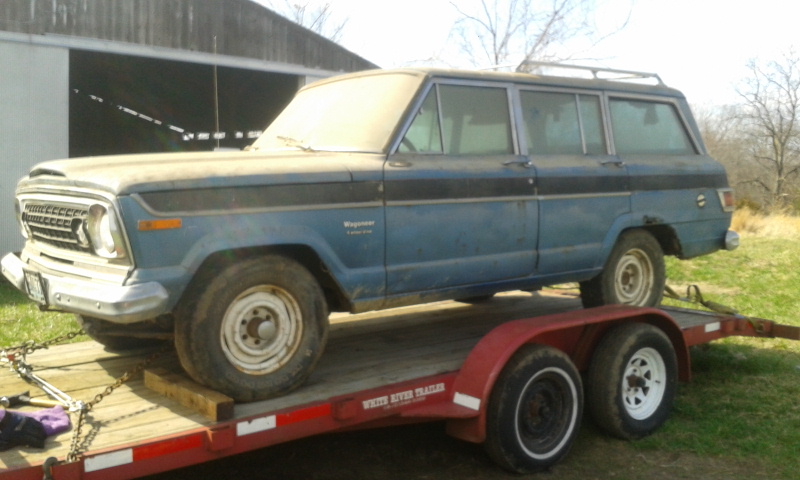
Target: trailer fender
x=575, y=333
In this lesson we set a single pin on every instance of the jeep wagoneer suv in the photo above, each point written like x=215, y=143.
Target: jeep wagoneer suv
x=370, y=191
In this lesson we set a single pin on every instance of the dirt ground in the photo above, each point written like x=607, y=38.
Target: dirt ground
x=426, y=452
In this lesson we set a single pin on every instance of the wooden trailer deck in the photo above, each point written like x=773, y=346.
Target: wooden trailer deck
x=364, y=351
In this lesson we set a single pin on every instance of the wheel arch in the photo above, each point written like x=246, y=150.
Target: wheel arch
x=575, y=333
x=303, y=254
x=665, y=235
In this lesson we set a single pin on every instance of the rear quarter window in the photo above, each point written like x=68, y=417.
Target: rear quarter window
x=642, y=127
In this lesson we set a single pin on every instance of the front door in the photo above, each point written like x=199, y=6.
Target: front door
x=460, y=208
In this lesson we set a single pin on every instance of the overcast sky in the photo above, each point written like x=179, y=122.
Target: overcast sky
x=698, y=46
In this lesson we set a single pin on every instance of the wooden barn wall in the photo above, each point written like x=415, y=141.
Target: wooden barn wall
x=242, y=28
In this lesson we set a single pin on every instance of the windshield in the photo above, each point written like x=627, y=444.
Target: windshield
x=355, y=114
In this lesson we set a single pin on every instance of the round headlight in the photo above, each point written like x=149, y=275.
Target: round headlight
x=104, y=232
x=18, y=212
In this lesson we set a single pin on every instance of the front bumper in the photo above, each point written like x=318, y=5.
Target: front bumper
x=118, y=304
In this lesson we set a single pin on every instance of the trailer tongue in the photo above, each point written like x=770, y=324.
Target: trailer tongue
x=506, y=373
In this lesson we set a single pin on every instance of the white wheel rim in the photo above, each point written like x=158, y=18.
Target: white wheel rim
x=644, y=383
x=634, y=278
x=261, y=330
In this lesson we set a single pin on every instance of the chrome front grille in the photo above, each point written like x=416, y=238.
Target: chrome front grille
x=61, y=226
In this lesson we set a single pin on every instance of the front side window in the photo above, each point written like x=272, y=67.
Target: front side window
x=646, y=127
x=472, y=121
x=424, y=134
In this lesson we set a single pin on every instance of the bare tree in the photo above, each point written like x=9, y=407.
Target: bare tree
x=516, y=32
x=727, y=141
x=317, y=18
x=771, y=113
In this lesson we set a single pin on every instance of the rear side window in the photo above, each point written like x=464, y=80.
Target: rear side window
x=472, y=121
x=644, y=127
x=563, y=123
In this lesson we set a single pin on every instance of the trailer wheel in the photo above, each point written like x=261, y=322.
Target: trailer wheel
x=256, y=330
x=534, y=411
x=634, y=274
x=632, y=380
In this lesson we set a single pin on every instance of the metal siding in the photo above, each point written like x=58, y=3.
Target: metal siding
x=33, y=124
x=242, y=28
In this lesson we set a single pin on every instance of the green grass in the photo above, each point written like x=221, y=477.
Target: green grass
x=743, y=400
x=21, y=320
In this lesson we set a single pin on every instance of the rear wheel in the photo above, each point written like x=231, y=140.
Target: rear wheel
x=534, y=411
x=632, y=380
x=256, y=330
x=634, y=274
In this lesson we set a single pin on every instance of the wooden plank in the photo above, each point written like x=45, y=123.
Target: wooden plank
x=211, y=404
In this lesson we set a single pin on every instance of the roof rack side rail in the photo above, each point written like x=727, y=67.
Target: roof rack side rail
x=597, y=71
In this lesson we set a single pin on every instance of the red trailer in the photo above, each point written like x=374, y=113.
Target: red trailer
x=514, y=374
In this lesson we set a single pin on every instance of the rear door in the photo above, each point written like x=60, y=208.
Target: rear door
x=460, y=208
x=583, y=191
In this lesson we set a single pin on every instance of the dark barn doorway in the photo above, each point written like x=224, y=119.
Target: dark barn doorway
x=126, y=104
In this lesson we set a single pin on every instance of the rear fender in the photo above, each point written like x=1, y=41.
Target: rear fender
x=575, y=333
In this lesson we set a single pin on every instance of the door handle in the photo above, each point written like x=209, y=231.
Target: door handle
x=525, y=163
x=399, y=164
x=616, y=163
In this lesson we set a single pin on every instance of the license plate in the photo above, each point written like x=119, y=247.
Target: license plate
x=35, y=286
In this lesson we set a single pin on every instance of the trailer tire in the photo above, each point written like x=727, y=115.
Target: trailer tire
x=255, y=330
x=534, y=410
x=632, y=380
x=634, y=274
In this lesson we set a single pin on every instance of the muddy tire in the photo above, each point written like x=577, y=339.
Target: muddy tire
x=534, y=411
x=634, y=274
x=632, y=380
x=255, y=330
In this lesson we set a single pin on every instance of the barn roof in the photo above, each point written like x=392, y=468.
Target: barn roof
x=230, y=28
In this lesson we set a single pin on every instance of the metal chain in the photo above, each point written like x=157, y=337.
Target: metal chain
x=75, y=445
x=31, y=346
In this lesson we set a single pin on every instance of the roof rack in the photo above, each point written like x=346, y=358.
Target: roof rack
x=601, y=73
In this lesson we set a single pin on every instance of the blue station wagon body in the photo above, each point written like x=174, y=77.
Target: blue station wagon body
x=384, y=188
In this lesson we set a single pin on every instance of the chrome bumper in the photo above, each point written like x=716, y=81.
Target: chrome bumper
x=731, y=240
x=117, y=304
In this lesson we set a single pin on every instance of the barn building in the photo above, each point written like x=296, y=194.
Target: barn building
x=96, y=77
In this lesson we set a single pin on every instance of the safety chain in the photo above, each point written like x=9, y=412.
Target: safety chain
x=9, y=353
x=75, y=446
x=31, y=345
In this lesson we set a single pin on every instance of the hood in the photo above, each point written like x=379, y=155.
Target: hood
x=126, y=174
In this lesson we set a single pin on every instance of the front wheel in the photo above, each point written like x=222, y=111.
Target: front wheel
x=634, y=274
x=256, y=330
x=534, y=411
x=632, y=380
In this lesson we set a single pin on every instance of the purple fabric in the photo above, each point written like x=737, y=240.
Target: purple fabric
x=54, y=420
